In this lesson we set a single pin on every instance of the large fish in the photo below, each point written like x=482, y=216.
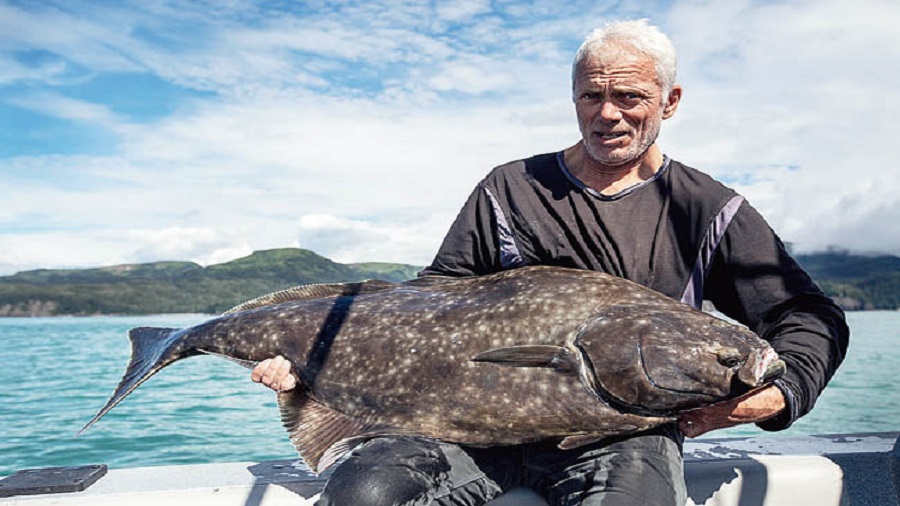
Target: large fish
x=523, y=355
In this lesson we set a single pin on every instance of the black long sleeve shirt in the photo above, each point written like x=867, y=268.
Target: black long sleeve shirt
x=681, y=233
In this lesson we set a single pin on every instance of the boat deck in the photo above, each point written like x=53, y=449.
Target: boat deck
x=853, y=469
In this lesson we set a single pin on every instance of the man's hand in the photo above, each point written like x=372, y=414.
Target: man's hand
x=754, y=406
x=274, y=373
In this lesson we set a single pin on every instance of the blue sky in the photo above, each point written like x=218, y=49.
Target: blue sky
x=204, y=130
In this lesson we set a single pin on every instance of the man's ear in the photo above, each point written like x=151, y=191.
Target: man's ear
x=672, y=102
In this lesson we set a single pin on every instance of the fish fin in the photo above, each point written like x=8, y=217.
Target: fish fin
x=338, y=450
x=313, y=291
x=578, y=441
x=152, y=348
x=536, y=355
x=320, y=434
x=249, y=364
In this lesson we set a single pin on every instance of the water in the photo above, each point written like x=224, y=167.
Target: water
x=55, y=373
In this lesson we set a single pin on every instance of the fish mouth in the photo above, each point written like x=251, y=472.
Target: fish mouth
x=775, y=370
x=763, y=366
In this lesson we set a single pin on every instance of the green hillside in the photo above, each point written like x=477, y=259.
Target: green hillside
x=178, y=287
x=856, y=282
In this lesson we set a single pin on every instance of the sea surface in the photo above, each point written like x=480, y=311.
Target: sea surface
x=55, y=373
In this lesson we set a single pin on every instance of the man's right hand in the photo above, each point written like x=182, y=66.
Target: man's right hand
x=275, y=373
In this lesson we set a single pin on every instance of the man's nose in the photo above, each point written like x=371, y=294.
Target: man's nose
x=609, y=111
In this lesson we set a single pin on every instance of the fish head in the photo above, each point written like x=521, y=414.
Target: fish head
x=657, y=361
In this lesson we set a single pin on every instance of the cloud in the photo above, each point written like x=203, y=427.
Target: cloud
x=475, y=76
x=59, y=249
x=462, y=9
x=203, y=245
x=94, y=39
x=232, y=177
x=59, y=106
x=349, y=240
x=800, y=84
x=13, y=70
x=357, y=129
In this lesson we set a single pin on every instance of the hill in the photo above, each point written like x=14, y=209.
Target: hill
x=856, y=282
x=178, y=287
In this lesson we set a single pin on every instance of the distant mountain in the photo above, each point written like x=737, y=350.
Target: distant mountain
x=178, y=287
x=856, y=282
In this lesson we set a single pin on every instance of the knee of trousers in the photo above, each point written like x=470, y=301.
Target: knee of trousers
x=386, y=472
x=372, y=489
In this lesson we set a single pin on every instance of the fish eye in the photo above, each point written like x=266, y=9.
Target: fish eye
x=729, y=357
x=731, y=362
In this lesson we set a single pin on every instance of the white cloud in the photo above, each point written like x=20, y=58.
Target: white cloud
x=99, y=41
x=59, y=106
x=801, y=84
x=791, y=102
x=12, y=70
x=475, y=76
x=348, y=240
x=59, y=249
x=238, y=176
x=462, y=9
x=203, y=245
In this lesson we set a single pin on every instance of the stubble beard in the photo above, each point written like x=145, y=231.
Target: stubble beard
x=633, y=152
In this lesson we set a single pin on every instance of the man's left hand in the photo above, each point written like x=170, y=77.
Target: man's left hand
x=754, y=406
x=275, y=373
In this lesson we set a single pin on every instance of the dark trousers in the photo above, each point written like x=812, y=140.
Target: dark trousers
x=644, y=469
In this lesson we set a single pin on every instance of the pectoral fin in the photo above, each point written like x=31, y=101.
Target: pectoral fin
x=554, y=357
x=577, y=441
x=320, y=434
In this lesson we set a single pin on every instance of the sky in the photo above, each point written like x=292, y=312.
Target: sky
x=148, y=130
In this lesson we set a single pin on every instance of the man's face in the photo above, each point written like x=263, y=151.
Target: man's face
x=620, y=106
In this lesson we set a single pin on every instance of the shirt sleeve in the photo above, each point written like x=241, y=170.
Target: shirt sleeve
x=756, y=281
x=471, y=245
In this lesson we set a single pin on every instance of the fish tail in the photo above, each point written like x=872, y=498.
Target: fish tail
x=152, y=348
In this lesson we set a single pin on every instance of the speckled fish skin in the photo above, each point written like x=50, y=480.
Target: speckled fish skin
x=523, y=355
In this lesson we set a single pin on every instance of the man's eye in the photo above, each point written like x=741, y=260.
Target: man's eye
x=590, y=96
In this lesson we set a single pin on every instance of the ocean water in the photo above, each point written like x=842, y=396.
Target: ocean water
x=55, y=373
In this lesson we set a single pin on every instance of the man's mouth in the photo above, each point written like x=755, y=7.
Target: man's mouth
x=608, y=136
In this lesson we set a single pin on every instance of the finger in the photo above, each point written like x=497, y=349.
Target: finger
x=260, y=370
x=687, y=428
x=285, y=379
x=694, y=430
x=692, y=427
x=289, y=383
x=270, y=375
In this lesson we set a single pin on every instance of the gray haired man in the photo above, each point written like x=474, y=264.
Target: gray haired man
x=613, y=202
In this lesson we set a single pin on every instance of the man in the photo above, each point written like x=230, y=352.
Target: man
x=613, y=203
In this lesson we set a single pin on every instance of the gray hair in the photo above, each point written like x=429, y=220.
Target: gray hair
x=639, y=35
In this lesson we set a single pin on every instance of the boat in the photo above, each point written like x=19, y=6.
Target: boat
x=827, y=470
